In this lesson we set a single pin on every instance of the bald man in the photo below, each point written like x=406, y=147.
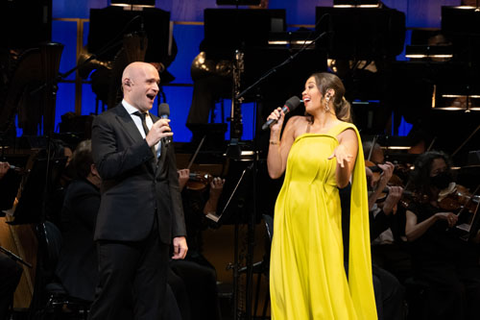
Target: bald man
x=141, y=212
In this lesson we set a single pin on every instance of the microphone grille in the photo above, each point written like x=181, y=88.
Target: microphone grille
x=293, y=103
x=164, y=110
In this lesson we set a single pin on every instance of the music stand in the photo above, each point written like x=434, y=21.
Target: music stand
x=31, y=204
x=109, y=25
x=232, y=208
x=234, y=200
x=228, y=30
x=361, y=34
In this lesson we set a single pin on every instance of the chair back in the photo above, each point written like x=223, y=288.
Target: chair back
x=50, y=240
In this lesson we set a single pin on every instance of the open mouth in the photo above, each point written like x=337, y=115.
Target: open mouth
x=151, y=96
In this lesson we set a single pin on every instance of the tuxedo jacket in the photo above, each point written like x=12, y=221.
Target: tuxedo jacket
x=135, y=185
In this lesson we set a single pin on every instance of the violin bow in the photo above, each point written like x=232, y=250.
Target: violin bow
x=196, y=152
x=468, y=201
x=375, y=137
x=464, y=142
x=431, y=144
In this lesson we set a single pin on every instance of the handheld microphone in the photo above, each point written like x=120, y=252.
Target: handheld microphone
x=290, y=105
x=164, y=113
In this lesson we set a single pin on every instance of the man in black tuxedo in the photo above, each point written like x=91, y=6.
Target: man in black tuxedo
x=141, y=207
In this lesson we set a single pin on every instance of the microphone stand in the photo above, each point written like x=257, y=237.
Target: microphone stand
x=253, y=216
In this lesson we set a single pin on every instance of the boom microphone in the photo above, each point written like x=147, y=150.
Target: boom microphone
x=164, y=113
x=290, y=105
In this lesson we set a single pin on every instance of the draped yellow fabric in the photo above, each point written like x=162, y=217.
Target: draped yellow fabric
x=307, y=277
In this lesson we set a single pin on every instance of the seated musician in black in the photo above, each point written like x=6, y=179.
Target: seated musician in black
x=77, y=265
x=10, y=271
x=389, y=293
x=197, y=273
x=389, y=247
x=448, y=264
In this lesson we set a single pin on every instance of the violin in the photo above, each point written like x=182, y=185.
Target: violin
x=198, y=181
x=395, y=180
x=457, y=197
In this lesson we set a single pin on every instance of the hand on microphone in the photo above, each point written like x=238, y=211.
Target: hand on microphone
x=290, y=105
x=160, y=129
x=277, y=116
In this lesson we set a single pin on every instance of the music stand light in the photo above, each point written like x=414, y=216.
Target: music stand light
x=357, y=3
x=290, y=39
x=134, y=4
x=239, y=2
x=454, y=98
x=426, y=51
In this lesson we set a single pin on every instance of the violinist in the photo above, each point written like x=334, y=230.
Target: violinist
x=387, y=208
x=449, y=265
x=379, y=174
x=387, y=232
x=200, y=195
x=389, y=292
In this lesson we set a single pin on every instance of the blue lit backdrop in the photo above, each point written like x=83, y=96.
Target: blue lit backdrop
x=188, y=34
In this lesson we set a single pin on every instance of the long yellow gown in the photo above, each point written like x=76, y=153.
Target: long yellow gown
x=307, y=275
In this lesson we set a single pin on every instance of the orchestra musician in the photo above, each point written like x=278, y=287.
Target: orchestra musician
x=196, y=272
x=389, y=249
x=77, y=266
x=141, y=212
x=449, y=265
x=389, y=293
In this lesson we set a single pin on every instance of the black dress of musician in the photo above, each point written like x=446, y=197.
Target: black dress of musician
x=449, y=265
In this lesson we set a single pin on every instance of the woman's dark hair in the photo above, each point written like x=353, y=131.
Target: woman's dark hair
x=82, y=159
x=420, y=176
x=327, y=81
